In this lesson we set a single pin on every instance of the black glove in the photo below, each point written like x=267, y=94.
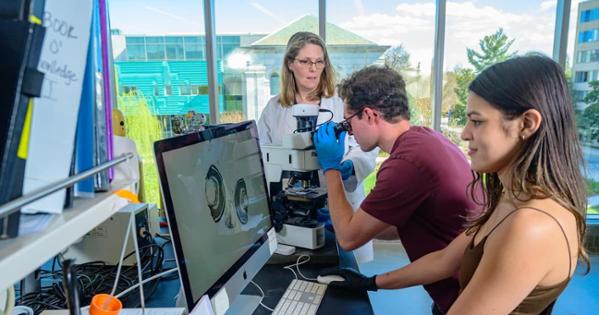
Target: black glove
x=354, y=281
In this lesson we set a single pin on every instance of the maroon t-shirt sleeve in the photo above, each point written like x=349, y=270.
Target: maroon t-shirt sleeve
x=399, y=190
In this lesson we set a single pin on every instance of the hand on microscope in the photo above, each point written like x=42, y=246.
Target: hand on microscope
x=329, y=148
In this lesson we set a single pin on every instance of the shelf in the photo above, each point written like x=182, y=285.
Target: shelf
x=21, y=255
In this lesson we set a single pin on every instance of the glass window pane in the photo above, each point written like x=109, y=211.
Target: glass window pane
x=136, y=52
x=248, y=59
x=479, y=34
x=149, y=88
x=174, y=51
x=155, y=52
x=584, y=45
x=396, y=33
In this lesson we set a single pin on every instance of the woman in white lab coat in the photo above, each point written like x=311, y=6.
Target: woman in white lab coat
x=307, y=77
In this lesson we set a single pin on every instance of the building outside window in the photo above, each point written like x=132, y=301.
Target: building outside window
x=585, y=84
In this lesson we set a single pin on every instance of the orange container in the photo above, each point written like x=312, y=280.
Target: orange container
x=105, y=304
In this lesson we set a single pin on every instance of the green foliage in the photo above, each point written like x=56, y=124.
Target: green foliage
x=589, y=124
x=592, y=190
x=143, y=128
x=494, y=48
x=587, y=121
x=593, y=95
x=592, y=187
x=463, y=78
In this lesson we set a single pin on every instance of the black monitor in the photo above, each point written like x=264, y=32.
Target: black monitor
x=218, y=211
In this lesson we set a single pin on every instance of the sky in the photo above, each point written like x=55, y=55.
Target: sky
x=386, y=22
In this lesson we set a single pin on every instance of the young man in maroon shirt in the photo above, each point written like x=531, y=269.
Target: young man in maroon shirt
x=421, y=191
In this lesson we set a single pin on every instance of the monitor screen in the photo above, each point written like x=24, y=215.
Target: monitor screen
x=217, y=207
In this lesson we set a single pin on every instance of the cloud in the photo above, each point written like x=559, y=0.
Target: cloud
x=548, y=4
x=466, y=23
x=359, y=7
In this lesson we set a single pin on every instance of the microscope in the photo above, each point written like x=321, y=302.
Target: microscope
x=291, y=171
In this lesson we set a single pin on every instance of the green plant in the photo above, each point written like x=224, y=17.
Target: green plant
x=592, y=187
x=144, y=129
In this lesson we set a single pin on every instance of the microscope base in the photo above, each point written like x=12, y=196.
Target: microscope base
x=301, y=236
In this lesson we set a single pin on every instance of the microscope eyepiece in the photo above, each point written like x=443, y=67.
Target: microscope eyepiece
x=340, y=127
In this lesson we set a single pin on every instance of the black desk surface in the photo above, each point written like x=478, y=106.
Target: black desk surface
x=274, y=279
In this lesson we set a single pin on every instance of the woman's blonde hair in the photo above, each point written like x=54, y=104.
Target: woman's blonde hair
x=326, y=86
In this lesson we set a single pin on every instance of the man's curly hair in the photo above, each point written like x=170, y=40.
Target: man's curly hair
x=376, y=87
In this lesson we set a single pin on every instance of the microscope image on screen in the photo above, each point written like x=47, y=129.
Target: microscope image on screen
x=241, y=201
x=216, y=199
x=215, y=193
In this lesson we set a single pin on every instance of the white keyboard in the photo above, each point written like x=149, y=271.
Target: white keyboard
x=300, y=298
x=153, y=311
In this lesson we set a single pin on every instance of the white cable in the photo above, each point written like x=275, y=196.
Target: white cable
x=139, y=273
x=118, y=269
x=262, y=297
x=301, y=263
x=144, y=282
x=298, y=262
x=289, y=267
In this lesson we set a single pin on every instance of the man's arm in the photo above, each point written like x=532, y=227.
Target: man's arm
x=352, y=230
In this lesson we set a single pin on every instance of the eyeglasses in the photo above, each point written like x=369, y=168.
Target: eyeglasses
x=305, y=63
x=345, y=125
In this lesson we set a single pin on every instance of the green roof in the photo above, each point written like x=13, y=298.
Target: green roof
x=309, y=23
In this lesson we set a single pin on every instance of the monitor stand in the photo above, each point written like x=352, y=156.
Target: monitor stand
x=244, y=304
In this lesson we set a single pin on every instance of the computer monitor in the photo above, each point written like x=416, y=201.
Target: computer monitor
x=217, y=208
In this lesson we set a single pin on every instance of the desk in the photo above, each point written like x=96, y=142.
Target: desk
x=273, y=279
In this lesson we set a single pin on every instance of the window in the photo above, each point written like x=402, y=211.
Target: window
x=136, y=52
x=155, y=52
x=194, y=47
x=589, y=15
x=151, y=65
x=254, y=50
x=586, y=56
x=185, y=89
x=581, y=76
x=396, y=33
x=473, y=27
x=584, y=46
x=174, y=48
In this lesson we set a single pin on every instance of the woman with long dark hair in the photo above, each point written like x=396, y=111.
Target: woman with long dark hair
x=520, y=254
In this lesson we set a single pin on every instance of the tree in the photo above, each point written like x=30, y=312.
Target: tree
x=593, y=96
x=143, y=128
x=589, y=118
x=397, y=58
x=494, y=48
x=463, y=77
x=589, y=125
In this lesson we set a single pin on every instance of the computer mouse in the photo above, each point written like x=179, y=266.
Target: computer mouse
x=329, y=279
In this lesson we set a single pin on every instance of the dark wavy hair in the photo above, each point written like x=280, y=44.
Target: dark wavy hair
x=376, y=87
x=548, y=164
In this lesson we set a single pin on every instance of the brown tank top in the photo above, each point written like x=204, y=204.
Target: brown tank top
x=541, y=298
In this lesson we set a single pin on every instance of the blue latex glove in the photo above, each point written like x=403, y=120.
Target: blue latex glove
x=347, y=169
x=329, y=149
